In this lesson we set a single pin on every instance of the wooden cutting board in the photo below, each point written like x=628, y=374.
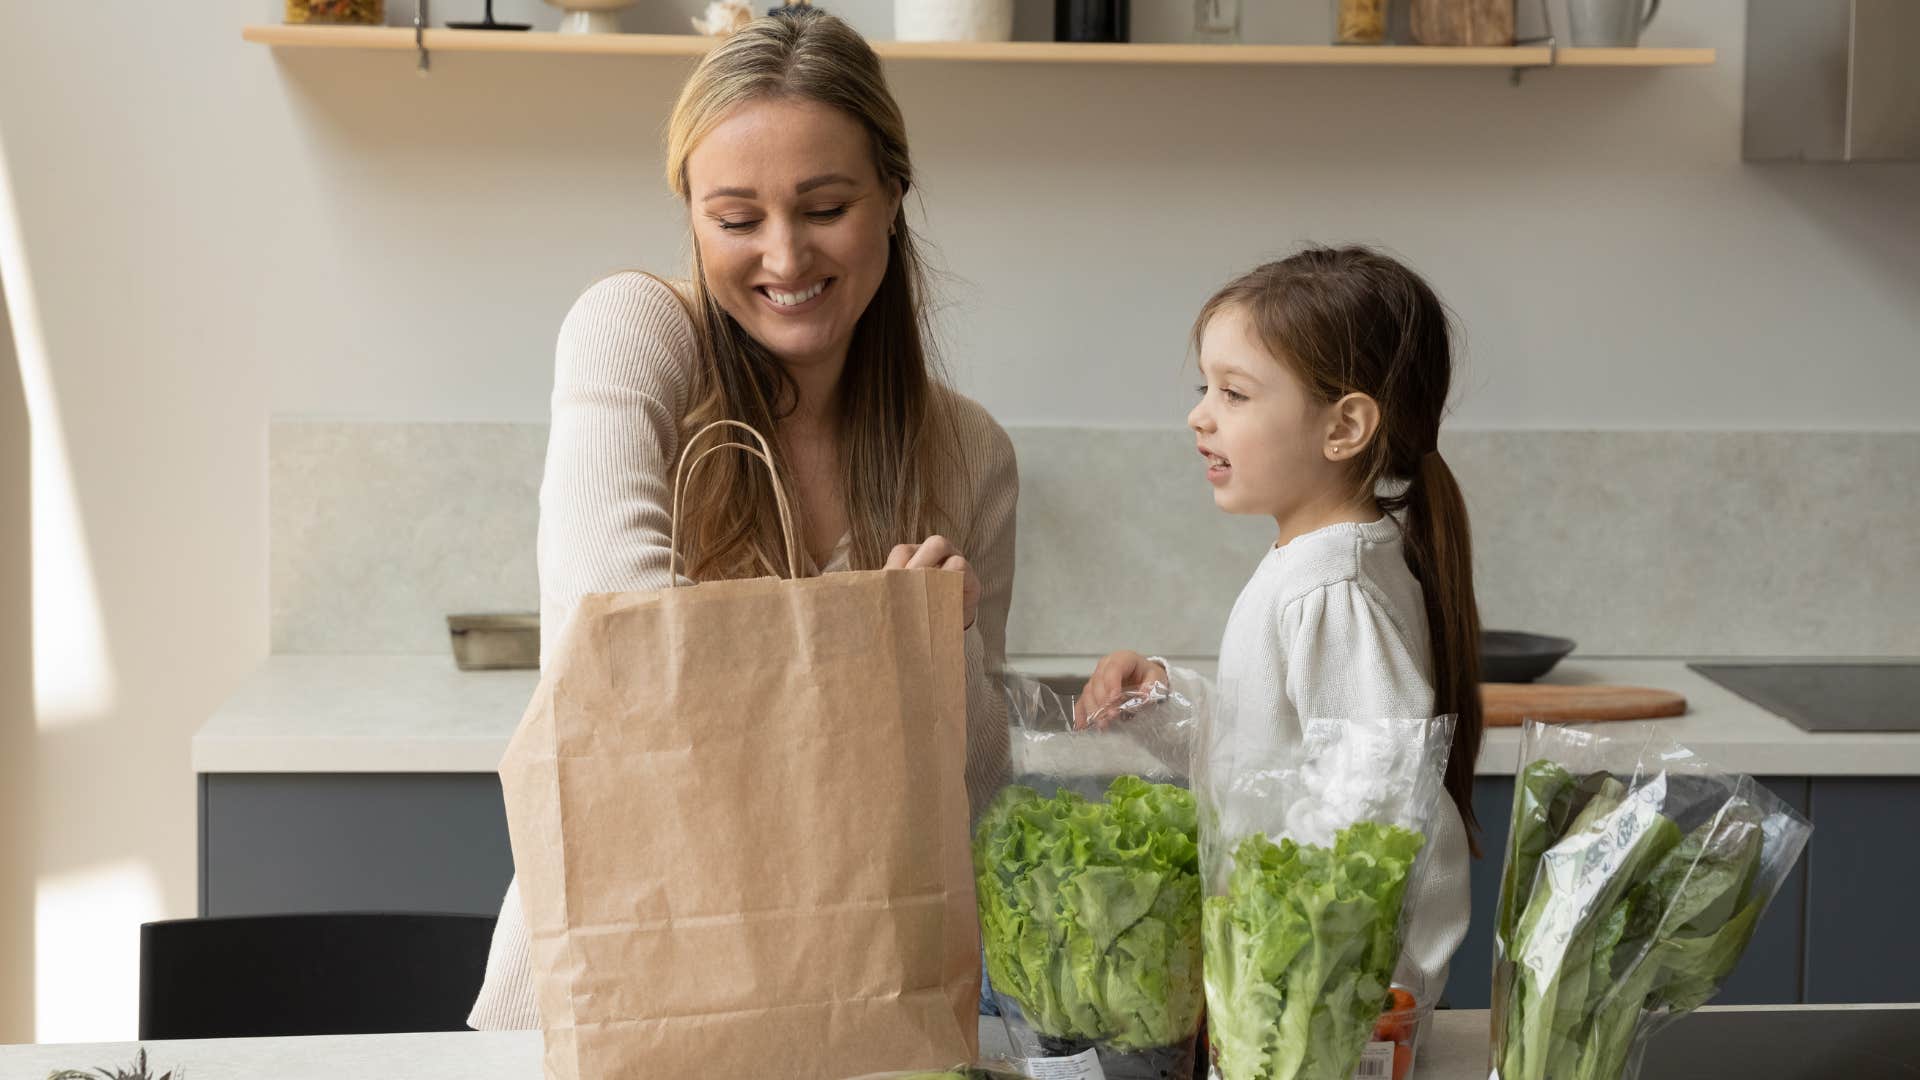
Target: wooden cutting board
x=1507, y=704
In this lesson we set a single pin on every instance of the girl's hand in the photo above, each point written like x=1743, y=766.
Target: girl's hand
x=938, y=553
x=1115, y=675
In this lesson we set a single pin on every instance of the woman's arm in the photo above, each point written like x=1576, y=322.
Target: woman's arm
x=619, y=389
x=990, y=548
x=620, y=386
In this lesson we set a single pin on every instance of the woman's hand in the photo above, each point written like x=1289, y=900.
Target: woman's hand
x=938, y=553
x=1113, y=677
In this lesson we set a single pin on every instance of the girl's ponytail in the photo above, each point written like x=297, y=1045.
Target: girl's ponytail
x=1439, y=547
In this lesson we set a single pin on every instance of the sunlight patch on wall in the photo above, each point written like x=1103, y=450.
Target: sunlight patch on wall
x=87, y=951
x=72, y=667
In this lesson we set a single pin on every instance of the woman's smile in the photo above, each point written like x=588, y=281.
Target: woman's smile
x=794, y=299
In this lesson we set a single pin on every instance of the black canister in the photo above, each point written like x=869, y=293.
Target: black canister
x=1090, y=20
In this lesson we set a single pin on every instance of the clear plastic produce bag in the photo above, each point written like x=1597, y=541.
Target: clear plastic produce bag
x=990, y=1071
x=1309, y=842
x=1088, y=879
x=1635, y=875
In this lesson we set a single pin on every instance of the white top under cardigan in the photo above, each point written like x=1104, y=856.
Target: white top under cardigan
x=1333, y=625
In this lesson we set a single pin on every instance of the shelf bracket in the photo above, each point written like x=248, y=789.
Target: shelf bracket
x=1553, y=58
x=1546, y=38
x=420, y=35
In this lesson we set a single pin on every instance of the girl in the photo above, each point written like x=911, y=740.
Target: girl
x=1326, y=377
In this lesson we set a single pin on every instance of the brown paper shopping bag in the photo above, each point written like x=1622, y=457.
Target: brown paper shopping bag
x=739, y=821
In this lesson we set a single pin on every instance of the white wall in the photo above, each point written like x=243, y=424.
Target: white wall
x=217, y=233
x=17, y=832
x=1614, y=262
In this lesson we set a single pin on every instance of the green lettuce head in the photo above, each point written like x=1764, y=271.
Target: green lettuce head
x=1090, y=911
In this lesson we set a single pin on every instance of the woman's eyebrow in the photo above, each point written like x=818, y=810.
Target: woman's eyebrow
x=822, y=180
x=801, y=188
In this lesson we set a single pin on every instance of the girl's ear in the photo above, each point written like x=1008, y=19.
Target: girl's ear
x=1353, y=422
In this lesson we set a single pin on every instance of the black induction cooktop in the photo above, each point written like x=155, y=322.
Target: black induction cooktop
x=1828, y=696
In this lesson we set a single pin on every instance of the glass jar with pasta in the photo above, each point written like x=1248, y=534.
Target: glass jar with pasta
x=349, y=12
x=1359, y=22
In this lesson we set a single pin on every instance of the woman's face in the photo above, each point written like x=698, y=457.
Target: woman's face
x=791, y=220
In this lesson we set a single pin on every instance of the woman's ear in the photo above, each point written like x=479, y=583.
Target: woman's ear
x=899, y=200
x=1354, y=421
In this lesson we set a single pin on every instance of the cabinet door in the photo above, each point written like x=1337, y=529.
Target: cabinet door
x=1771, y=972
x=309, y=842
x=1470, y=979
x=1863, y=873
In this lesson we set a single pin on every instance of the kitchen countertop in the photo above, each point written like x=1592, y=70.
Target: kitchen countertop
x=399, y=713
x=1453, y=1049
x=1864, y=1042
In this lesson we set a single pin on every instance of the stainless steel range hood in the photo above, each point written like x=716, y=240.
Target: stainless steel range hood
x=1833, y=80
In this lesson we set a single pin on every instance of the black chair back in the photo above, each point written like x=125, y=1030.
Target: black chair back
x=348, y=973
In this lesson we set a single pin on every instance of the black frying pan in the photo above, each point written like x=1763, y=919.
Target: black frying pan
x=1511, y=656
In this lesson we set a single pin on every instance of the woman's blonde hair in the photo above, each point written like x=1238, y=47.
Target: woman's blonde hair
x=893, y=412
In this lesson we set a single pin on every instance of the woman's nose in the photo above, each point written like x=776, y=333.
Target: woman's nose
x=786, y=255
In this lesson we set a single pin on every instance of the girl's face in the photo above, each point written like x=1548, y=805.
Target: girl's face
x=790, y=217
x=1265, y=439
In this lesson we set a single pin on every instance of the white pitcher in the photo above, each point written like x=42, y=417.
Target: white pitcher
x=953, y=20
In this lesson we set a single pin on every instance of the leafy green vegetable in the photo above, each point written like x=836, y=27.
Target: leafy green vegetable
x=1570, y=922
x=1611, y=916
x=1542, y=795
x=1090, y=911
x=1704, y=914
x=137, y=1072
x=1300, y=951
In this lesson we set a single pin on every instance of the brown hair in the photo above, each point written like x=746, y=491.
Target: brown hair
x=1351, y=320
x=892, y=407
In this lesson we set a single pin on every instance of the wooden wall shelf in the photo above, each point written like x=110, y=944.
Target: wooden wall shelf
x=400, y=39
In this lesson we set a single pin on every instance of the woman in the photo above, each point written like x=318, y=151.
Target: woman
x=803, y=317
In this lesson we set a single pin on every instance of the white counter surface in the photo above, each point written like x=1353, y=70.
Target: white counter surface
x=420, y=714
x=1455, y=1048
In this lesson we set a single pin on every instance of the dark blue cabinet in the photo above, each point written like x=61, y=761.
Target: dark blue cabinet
x=1470, y=980
x=1863, y=877
x=1840, y=930
x=1772, y=971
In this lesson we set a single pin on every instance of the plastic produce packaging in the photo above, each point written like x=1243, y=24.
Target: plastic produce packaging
x=994, y=1071
x=1088, y=878
x=1635, y=875
x=1309, y=845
